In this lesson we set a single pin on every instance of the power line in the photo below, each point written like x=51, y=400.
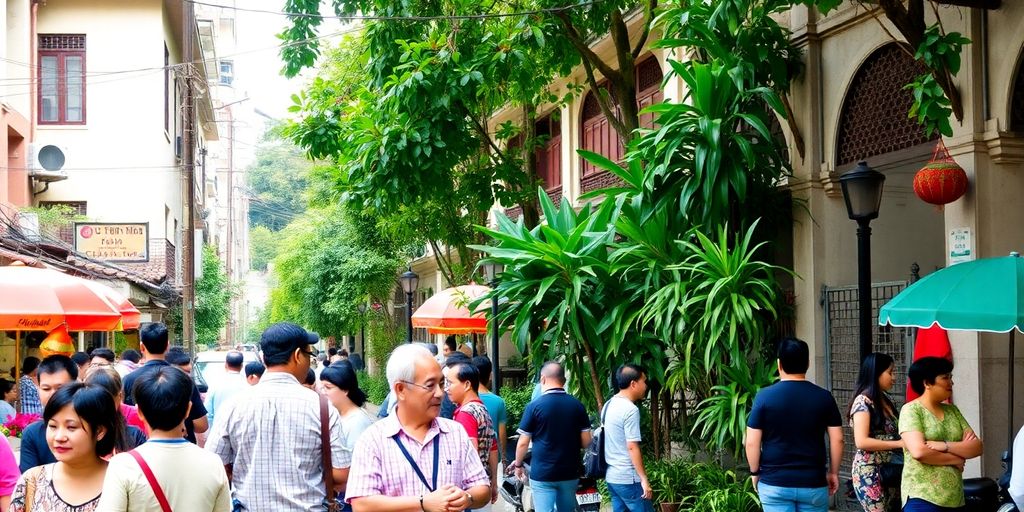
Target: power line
x=549, y=10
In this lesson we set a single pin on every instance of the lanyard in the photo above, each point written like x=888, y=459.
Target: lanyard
x=416, y=467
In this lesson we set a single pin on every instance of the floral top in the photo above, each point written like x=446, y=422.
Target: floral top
x=939, y=485
x=477, y=421
x=44, y=494
x=890, y=432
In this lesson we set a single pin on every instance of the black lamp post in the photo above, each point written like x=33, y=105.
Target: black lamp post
x=862, y=190
x=410, y=281
x=492, y=271
x=362, y=327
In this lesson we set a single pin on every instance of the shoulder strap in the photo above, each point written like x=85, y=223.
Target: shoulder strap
x=604, y=410
x=159, y=492
x=325, y=447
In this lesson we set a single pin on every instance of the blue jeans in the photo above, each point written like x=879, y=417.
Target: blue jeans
x=551, y=496
x=919, y=505
x=627, y=498
x=792, y=499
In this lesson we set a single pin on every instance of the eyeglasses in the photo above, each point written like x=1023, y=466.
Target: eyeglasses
x=429, y=388
x=312, y=352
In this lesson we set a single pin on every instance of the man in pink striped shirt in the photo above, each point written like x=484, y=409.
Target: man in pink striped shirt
x=413, y=461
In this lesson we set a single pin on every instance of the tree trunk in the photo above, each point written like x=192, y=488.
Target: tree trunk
x=530, y=212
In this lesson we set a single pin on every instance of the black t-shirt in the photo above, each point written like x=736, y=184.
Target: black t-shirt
x=554, y=423
x=793, y=417
x=198, y=409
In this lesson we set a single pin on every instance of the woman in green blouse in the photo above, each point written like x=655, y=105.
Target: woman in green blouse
x=937, y=441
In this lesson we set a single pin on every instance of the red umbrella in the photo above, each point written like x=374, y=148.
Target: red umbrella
x=40, y=299
x=447, y=312
x=131, y=317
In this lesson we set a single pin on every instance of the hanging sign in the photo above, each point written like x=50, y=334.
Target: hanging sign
x=113, y=241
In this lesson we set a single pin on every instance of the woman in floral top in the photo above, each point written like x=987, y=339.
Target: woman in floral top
x=873, y=419
x=82, y=426
x=938, y=441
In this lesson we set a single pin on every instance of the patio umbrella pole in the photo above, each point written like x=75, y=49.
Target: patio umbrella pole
x=1009, y=395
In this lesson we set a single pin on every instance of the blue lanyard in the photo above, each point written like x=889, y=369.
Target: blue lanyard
x=416, y=467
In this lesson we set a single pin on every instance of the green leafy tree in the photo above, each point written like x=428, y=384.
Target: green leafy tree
x=263, y=246
x=278, y=180
x=213, y=298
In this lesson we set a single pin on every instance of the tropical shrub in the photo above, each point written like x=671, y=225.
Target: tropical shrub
x=515, y=403
x=374, y=385
x=701, y=487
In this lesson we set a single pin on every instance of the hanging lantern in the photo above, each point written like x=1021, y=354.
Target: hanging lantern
x=58, y=341
x=941, y=181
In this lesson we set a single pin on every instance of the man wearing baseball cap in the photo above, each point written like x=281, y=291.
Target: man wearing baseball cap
x=276, y=424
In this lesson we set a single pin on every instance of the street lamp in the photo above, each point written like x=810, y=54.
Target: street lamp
x=410, y=281
x=862, y=190
x=362, y=326
x=492, y=271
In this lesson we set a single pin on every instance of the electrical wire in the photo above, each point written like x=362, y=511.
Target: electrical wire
x=534, y=12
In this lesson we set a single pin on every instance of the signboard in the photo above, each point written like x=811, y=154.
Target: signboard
x=960, y=246
x=125, y=242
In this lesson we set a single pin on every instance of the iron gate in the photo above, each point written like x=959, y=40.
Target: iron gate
x=842, y=357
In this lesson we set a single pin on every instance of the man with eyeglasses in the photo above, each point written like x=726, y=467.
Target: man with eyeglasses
x=412, y=459
x=268, y=435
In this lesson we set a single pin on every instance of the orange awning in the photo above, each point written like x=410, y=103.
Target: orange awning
x=447, y=312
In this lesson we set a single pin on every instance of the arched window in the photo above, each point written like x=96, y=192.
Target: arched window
x=1017, y=99
x=648, y=87
x=549, y=155
x=874, y=117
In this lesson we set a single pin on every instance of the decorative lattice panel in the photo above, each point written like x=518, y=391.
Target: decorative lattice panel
x=62, y=42
x=648, y=75
x=874, y=117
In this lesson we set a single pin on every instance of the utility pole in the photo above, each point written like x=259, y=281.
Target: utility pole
x=189, y=167
x=231, y=226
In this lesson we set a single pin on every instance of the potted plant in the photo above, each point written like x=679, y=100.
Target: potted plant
x=15, y=426
x=670, y=484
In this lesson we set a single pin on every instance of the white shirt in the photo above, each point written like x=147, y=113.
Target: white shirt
x=270, y=432
x=1016, y=489
x=227, y=386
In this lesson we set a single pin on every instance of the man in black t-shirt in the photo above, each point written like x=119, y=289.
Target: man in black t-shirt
x=559, y=427
x=786, y=432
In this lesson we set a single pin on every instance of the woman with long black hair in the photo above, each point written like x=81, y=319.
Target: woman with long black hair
x=873, y=418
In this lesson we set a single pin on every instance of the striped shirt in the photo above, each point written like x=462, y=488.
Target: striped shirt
x=28, y=396
x=380, y=469
x=270, y=433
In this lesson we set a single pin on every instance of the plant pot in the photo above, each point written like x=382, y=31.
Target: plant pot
x=670, y=507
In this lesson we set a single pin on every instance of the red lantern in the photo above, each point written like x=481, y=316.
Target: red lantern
x=941, y=181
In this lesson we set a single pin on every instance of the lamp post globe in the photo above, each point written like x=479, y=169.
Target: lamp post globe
x=410, y=282
x=862, y=192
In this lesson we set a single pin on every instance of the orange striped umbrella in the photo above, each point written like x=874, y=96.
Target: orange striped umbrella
x=447, y=312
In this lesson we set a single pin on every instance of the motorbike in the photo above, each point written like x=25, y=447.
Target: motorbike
x=518, y=494
x=988, y=495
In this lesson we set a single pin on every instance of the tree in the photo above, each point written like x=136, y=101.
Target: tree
x=278, y=180
x=263, y=246
x=213, y=298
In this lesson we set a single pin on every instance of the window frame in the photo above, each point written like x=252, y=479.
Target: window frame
x=62, y=87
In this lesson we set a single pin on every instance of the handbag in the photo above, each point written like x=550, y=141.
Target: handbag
x=153, y=484
x=331, y=499
x=594, y=464
x=891, y=472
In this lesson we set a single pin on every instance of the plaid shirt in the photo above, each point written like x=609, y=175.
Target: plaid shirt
x=270, y=432
x=28, y=396
x=380, y=469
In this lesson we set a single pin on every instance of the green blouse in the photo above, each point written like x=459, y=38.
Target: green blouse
x=939, y=485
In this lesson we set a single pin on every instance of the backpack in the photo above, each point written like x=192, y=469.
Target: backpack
x=594, y=465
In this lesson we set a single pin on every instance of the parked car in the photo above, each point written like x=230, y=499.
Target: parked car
x=208, y=367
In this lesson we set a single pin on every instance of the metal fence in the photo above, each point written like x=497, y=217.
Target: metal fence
x=842, y=357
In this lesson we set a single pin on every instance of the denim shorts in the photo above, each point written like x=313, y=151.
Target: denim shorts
x=792, y=499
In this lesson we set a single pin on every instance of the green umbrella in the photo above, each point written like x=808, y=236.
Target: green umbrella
x=980, y=295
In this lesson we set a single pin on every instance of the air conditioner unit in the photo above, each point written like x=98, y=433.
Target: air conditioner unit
x=47, y=162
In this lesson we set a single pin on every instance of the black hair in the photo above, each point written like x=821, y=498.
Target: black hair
x=5, y=387
x=628, y=374
x=163, y=397
x=450, y=343
x=254, y=368
x=343, y=353
x=873, y=366
x=331, y=352
x=97, y=408
x=794, y=356
x=154, y=337
x=280, y=340
x=104, y=353
x=310, y=377
x=554, y=370
x=925, y=370
x=432, y=347
x=483, y=367
x=131, y=355
x=80, y=358
x=465, y=371
x=344, y=377
x=457, y=357
x=177, y=356
x=234, y=360
x=29, y=365
x=58, y=363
